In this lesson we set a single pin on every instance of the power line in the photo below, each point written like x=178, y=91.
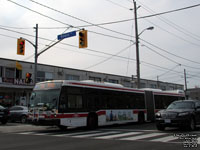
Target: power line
x=169, y=52
x=170, y=58
x=39, y=13
x=69, y=24
x=16, y=27
x=177, y=36
x=162, y=55
x=166, y=12
x=118, y=4
x=172, y=24
x=168, y=71
x=78, y=18
x=103, y=23
x=87, y=49
x=91, y=50
x=109, y=57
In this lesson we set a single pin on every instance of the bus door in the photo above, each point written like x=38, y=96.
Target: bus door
x=149, y=100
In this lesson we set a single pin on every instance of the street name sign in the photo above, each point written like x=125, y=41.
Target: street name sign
x=66, y=35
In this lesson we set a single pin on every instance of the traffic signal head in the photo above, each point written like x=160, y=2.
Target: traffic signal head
x=83, y=39
x=20, y=46
x=28, y=78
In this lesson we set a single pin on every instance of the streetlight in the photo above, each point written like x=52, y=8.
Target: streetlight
x=149, y=28
x=137, y=42
x=137, y=50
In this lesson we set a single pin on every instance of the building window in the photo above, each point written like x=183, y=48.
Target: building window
x=72, y=77
x=142, y=85
x=127, y=83
x=153, y=86
x=1, y=71
x=18, y=74
x=44, y=76
x=10, y=73
x=163, y=88
x=113, y=81
x=95, y=79
x=48, y=76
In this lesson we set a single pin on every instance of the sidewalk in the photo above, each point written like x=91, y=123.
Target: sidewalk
x=17, y=127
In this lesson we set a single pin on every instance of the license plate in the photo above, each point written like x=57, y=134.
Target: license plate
x=167, y=121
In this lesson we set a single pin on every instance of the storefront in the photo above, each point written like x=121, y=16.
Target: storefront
x=14, y=95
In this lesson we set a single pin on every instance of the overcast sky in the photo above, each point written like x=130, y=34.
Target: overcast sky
x=165, y=52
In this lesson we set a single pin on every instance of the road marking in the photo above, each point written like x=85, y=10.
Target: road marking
x=26, y=133
x=77, y=133
x=118, y=135
x=143, y=136
x=130, y=130
x=42, y=133
x=95, y=134
x=198, y=140
x=165, y=139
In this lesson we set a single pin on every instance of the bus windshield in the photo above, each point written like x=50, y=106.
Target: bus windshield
x=45, y=95
x=46, y=98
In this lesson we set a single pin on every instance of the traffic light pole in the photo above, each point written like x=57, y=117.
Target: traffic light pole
x=36, y=55
x=36, y=51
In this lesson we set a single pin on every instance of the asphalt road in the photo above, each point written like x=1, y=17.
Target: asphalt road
x=126, y=137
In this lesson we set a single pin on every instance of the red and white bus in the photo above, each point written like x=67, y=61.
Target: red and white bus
x=86, y=103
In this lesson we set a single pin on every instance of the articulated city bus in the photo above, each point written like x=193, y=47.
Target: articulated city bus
x=86, y=103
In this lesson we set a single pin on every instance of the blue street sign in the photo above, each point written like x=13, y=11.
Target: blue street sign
x=66, y=35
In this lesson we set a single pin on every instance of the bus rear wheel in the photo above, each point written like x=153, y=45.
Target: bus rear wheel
x=92, y=121
x=141, y=117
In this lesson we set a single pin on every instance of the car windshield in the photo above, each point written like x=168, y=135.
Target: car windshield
x=181, y=105
x=46, y=98
x=1, y=107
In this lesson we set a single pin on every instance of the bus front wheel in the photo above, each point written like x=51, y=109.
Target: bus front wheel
x=61, y=127
x=92, y=121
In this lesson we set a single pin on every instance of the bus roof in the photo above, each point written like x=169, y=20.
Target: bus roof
x=112, y=86
x=101, y=85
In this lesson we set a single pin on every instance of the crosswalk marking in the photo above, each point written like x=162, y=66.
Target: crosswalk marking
x=142, y=136
x=117, y=135
x=165, y=139
x=26, y=133
x=96, y=134
x=42, y=134
x=77, y=133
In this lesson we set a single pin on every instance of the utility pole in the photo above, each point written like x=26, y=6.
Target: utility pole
x=137, y=45
x=185, y=78
x=36, y=50
x=36, y=55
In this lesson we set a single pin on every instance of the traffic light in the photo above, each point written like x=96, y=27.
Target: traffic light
x=83, y=39
x=20, y=46
x=28, y=78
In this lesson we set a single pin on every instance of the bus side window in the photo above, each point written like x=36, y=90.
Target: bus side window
x=62, y=102
x=75, y=101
